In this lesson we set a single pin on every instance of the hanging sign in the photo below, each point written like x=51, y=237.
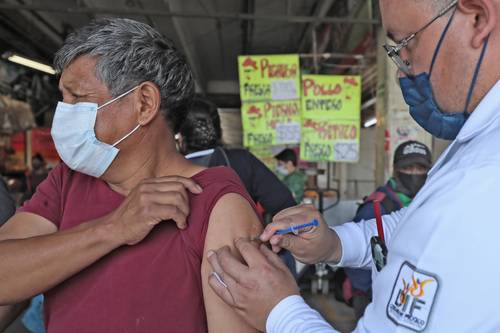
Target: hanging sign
x=269, y=77
x=271, y=123
x=331, y=107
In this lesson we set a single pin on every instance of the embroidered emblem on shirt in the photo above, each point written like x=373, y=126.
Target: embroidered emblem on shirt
x=412, y=298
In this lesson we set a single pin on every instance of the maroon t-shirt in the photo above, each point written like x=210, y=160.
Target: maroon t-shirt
x=154, y=286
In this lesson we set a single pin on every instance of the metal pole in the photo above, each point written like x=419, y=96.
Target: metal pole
x=329, y=55
x=188, y=14
x=381, y=111
x=343, y=179
x=28, y=153
x=315, y=51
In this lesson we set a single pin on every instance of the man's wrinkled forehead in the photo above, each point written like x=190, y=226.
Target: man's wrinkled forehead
x=80, y=75
x=401, y=18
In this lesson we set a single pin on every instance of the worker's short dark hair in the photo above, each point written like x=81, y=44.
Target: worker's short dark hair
x=287, y=155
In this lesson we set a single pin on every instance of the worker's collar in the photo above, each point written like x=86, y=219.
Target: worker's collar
x=484, y=114
x=482, y=117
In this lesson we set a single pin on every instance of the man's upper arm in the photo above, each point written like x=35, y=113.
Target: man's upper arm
x=231, y=218
x=25, y=225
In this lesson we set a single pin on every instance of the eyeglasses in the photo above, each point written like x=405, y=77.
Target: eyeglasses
x=394, y=50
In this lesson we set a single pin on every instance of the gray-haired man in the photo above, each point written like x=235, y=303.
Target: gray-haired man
x=96, y=236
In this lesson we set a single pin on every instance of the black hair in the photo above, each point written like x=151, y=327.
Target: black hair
x=39, y=157
x=201, y=129
x=287, y=155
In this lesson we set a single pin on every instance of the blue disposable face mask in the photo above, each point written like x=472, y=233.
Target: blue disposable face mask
x=418, y=94
x=75, y=139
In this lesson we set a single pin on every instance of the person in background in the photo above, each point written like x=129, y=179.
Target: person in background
x=412, y=162
x=7, y=209
x=39, y=171
x=200, y=140
x=33, y=317
x=35, y=176
x=293, y=178
x=7, y=204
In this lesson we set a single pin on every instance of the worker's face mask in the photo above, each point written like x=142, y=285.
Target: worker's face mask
x=418, y=94
x=76, y=141
x=410, y=184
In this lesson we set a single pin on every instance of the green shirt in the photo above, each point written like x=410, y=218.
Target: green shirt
x=296, y=182
x=405, y=200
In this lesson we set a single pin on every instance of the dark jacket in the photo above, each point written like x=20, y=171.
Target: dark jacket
x=7, y=204
x=261, y=183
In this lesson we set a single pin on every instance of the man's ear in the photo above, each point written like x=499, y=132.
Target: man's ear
x=484, y=14
x=148, y=102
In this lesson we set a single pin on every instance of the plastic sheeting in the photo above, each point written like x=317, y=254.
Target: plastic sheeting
x=15, y=116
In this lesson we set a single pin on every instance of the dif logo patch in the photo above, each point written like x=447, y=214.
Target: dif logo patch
x=412, y=298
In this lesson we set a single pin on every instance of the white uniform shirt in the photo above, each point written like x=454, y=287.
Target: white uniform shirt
x=443, y=266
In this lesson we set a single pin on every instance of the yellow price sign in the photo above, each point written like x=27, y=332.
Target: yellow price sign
x=327, y=140
x=331, y=96
x=269, y=77
x=271, y=123
x=331, y=108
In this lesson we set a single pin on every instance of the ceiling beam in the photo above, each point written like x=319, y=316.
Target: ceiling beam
x=356, y=9
x=189, y=14
x=320, y=13
x=181, y=29
x=16, y=42
x=149, y=20
x=38, y=24
x=21, y=30
x=210, y=7
x=247, y=27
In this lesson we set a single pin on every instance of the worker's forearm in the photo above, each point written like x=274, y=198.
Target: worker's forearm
x=9, y=313
x=33, y=265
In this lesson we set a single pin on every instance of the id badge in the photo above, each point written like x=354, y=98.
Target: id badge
x=379, y=252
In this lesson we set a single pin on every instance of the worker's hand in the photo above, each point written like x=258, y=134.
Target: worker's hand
x=319, y=244
x=255, y=288
x=151, y=202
